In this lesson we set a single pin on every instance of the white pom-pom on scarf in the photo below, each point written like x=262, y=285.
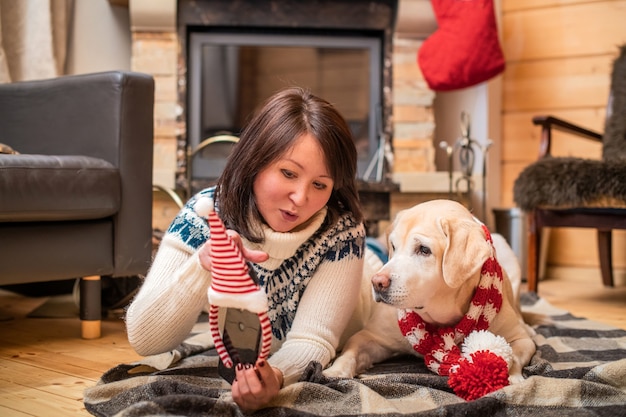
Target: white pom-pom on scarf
x=485, y=340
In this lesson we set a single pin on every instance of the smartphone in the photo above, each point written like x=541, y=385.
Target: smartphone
x=242, y=337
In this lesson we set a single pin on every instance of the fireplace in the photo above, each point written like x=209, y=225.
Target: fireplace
x=234, y=54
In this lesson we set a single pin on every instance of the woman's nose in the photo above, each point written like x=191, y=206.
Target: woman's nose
x=298, y=195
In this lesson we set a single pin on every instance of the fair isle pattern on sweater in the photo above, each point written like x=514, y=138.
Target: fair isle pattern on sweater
x=285, y=285
x=440, y=345
x=188, y=225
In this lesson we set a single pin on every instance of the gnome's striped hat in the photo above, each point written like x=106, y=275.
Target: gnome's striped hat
x=231, y=285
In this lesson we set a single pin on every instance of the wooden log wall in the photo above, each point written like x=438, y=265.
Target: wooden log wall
x=559, y=56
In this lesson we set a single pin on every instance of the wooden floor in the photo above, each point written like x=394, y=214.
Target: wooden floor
x=45, y=366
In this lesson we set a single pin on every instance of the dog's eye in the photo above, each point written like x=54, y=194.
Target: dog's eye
x=423, y=250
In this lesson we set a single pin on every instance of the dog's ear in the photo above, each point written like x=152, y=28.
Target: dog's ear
x=466, y=250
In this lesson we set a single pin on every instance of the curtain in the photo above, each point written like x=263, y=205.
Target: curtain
x=33, y=38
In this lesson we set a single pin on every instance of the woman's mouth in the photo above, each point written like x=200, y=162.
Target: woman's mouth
x=287, y=216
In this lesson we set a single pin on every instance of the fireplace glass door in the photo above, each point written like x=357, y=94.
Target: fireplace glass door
x=230, y=74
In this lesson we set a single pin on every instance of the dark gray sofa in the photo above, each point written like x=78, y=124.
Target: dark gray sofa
x=77, y=199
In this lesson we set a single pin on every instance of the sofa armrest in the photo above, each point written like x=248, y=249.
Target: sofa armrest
x=548, y=123
x=107, y=115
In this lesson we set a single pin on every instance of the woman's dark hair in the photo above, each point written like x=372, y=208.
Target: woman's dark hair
x=271, y=132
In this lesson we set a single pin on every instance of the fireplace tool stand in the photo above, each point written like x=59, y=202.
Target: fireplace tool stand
x=466, y=148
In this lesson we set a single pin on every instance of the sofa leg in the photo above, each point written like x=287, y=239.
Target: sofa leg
x=90, y=307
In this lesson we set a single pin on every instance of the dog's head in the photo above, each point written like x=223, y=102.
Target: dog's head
x=436, y=251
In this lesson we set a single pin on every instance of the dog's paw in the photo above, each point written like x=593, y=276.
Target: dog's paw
x=336, y=373
x=515, y=379
x=339, y=370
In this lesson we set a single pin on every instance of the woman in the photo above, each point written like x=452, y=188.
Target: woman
x=289, y=192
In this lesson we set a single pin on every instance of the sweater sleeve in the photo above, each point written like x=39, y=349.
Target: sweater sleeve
x=323, y=313
x=175, y=290
x=169, y=301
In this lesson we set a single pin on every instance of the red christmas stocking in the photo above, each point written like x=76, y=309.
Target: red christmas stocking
x=464, y=50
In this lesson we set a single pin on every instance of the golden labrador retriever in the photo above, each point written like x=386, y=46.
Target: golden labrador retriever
x=437, y=252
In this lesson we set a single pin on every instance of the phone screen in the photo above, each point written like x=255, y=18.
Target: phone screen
x=242, y=336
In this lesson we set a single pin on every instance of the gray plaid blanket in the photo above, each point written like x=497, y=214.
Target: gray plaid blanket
x=579, y=370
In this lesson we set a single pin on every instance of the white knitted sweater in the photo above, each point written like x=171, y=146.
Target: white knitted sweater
x=306, y=325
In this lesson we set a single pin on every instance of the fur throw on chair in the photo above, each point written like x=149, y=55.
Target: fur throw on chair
x=568, y=182
x=571, y=182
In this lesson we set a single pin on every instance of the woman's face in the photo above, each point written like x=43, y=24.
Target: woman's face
x=292, y=189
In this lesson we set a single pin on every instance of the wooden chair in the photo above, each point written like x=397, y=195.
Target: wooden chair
x=578, y=192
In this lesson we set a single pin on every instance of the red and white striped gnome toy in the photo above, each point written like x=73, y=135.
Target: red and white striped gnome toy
x=231, y=284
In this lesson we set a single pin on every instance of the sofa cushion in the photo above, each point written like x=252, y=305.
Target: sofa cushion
x=53, y=188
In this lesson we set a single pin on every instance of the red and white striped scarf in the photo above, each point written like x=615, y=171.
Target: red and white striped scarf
x=440, y=345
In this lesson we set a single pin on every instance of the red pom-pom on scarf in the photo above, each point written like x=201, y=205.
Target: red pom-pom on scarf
x=485, y=372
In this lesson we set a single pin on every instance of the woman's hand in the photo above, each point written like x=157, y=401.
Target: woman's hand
x=255, y=385
x=255, y=256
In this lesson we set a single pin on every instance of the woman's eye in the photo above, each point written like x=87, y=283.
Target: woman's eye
x=287, y=173
x=423, y=250
x=319, y=185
